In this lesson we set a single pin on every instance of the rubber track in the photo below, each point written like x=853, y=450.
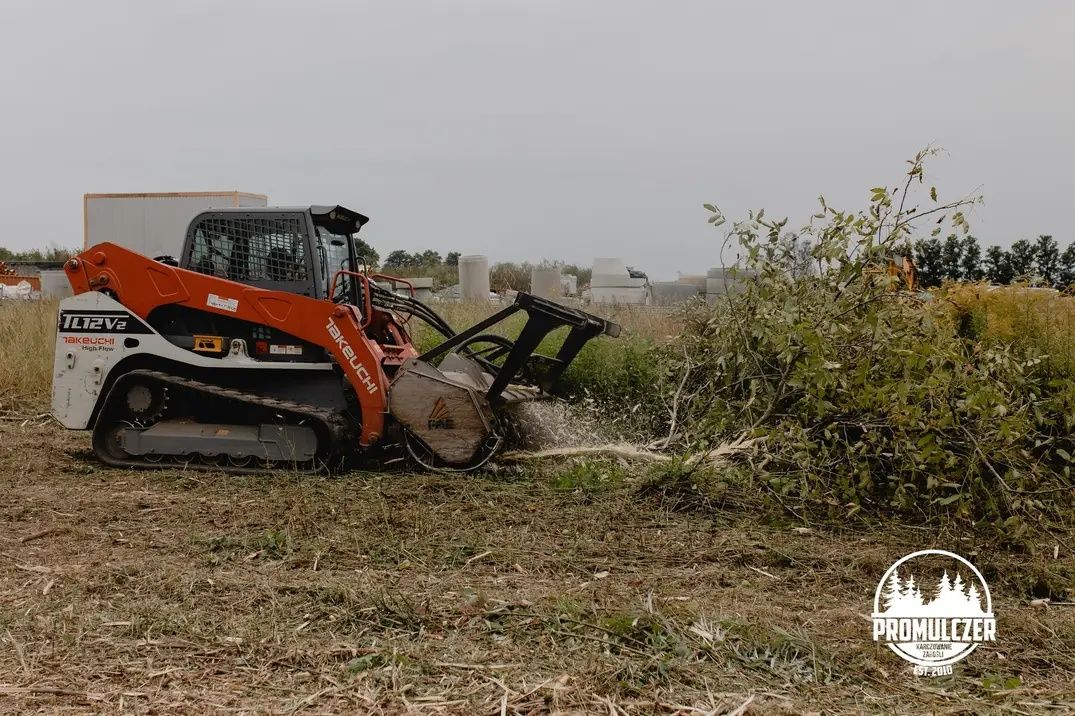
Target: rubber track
x=334, y=425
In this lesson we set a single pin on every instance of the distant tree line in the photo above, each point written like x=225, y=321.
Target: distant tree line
x=958, y=258
x=429, y=263
x=404, y=259
x=49, y=254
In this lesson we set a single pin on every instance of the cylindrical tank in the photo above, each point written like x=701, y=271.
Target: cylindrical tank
x=545, y=282
x=54, y=284
x=474, y=278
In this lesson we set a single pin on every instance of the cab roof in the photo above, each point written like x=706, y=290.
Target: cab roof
x=337, y=219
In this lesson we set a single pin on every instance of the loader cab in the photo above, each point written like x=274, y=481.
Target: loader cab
x=292, y=249
x=334, y=239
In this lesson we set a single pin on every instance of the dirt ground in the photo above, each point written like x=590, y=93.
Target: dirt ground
x=507, y=592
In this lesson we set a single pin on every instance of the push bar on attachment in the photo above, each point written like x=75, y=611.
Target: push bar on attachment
x=543, y=317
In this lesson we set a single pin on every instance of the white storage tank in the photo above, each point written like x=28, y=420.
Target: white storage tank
x=474, y=278
x=545, y=282
x=153, y=224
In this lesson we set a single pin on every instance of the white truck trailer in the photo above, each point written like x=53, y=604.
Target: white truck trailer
x=153, y=224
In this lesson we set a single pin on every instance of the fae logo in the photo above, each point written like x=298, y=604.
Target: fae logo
x=440, y=418
x=932, y=608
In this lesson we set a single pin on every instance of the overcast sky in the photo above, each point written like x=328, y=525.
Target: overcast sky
x=537, y=130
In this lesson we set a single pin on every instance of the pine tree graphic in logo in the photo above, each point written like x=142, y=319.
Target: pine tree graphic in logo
x=933, y=608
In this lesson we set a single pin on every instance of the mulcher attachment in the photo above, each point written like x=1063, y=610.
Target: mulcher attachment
x=448, y=411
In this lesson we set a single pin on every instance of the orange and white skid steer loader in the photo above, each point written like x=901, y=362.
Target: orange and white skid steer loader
x=266, y=345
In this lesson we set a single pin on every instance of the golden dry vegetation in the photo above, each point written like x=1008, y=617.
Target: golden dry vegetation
x=1018, y=315
x=27, y=339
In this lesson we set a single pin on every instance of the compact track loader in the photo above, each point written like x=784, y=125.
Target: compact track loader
x=266, y=344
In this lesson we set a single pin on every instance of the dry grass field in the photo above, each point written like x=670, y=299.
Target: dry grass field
x=27, y=338
x=558, y=587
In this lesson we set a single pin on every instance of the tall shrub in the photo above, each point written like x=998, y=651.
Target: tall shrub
x=864, y=396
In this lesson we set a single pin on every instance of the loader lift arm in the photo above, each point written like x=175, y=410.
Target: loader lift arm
x=142, y=285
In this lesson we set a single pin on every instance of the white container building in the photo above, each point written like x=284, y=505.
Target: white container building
x=153, y=224
x=611, y=282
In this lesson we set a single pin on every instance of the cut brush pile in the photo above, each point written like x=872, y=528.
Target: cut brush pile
x=868, y=397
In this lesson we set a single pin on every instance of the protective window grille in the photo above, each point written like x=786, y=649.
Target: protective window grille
x=250, y=248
